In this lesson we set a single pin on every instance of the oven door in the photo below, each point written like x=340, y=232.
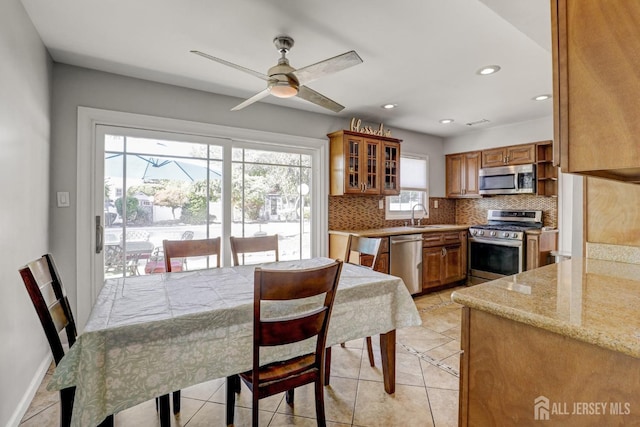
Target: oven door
x=492, y=259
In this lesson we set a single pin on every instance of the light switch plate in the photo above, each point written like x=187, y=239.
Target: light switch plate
x=63, y=199
x=381, y=204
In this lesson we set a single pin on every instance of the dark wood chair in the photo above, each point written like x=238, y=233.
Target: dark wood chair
x=190, y=248
x=184, y=249
x=49, y=298
x=285, y=376
x=243, y=245
x=361, y=251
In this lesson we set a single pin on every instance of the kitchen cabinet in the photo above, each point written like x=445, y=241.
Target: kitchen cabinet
x=462, y=174
x=444, y=259
x=539, y=247
x=507, y=156
x=546, y=171
x=363, y=164
x=595, y=83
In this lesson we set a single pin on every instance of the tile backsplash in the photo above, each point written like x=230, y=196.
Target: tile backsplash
x=363, y=212
x=474, y=211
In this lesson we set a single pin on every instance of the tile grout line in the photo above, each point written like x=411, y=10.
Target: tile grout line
x=432, y=361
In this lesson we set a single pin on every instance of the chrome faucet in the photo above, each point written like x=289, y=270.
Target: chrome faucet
x=413, y=210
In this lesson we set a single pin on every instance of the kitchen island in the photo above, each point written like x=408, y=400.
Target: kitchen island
x=559, y=343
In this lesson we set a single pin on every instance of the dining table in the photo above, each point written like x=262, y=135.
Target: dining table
x=149, y=335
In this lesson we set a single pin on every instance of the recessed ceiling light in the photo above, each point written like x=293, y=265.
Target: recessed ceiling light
x=446, y=121
x=389, y=106
x=489, y=69
x=541, y=97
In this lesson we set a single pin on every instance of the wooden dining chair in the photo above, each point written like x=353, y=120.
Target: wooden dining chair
x=190, y=248
x=49, y=298
x=361, y=251
x=243, y=245
x=277, y=328
x=184, y=249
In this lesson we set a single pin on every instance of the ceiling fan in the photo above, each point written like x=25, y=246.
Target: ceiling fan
x=284, y=81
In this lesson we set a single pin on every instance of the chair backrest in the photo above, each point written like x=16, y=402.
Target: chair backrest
x=190, y=248
x=363, y=246
x=243, y=245
x=285, y=327
x=49, y=298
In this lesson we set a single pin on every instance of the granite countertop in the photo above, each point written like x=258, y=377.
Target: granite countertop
x=589, y=300
x=395, y=231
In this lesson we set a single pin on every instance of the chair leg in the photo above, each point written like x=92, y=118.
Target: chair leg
x=289, y=396
x=165, y=417
x=254, y=409
x=67, y=396
x=327, y=365
x=320, y=403
x=108, y=422
x=231, y=397
x=370, y=352
x=176, y=402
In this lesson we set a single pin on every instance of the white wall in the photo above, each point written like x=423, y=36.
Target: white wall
x=517, y=133
x=74, y=86
x=25, y=80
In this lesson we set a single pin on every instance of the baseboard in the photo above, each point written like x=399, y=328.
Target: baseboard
x=14, y=420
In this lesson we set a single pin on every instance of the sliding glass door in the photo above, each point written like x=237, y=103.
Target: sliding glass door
x=160, y=185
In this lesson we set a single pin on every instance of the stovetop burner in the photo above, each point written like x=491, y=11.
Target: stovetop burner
x=508, y=227
x=507, y=224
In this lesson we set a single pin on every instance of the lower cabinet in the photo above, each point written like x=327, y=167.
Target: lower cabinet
x=444, y=258
x=539, y=248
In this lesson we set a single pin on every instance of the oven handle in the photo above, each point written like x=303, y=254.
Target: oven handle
x=497, y=242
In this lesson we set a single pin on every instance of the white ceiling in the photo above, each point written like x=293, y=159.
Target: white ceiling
x=420, y=54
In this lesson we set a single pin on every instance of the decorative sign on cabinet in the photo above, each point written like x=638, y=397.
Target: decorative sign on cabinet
x=363, y=164
x=596, y=86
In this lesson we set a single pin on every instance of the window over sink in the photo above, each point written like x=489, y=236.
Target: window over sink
x=414, y=188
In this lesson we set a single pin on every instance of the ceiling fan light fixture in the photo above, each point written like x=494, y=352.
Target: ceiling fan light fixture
x=283, y=90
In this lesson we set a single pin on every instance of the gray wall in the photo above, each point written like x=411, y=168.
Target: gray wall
x=25, y=81
x=74, y=86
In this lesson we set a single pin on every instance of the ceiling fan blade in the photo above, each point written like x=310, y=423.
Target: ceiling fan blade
x=328, y=66
x=257, y=97
x=232, y=65
x=312, y=96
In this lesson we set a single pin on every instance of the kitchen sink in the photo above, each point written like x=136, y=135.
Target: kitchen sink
x=431, y=226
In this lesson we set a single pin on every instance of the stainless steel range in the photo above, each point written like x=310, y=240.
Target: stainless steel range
x=497, y=249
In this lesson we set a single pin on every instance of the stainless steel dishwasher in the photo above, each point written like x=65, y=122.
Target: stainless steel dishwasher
x=406, y=260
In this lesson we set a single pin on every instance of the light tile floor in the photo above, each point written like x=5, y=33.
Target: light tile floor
x=427, y=375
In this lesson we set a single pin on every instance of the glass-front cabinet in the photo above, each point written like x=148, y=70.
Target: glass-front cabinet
x=364, y=164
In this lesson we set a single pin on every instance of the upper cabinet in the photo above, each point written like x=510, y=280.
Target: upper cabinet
x=506, y=156
x=462, y=174
x=363, y=164
x=596, y=86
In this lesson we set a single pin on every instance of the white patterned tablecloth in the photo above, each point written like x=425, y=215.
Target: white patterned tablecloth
x=150, y=335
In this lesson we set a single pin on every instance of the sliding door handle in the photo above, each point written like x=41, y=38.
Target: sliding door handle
x=99, y=234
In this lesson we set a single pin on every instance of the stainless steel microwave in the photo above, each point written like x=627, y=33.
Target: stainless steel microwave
x=519, y=179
